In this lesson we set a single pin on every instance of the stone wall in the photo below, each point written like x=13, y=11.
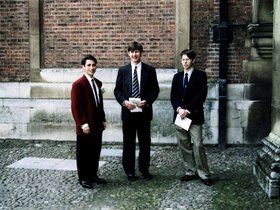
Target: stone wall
x=50, y=34
x=42, y=110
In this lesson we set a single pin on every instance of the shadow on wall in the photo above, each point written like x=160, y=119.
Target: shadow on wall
x=259, y=122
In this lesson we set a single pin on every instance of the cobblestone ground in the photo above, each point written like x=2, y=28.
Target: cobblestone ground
x=234, y=186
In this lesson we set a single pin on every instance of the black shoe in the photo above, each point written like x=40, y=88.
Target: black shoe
x=86, y=184
x=131, y=177
x=187, y=178
x=207, y=182
x=147, y=176
x=98, y=180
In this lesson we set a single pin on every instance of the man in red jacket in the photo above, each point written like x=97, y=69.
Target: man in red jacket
x=88, y=113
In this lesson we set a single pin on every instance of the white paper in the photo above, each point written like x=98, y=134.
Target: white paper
x=183, y=123
x=135, y=101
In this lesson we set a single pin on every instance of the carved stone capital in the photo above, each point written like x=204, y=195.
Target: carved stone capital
x=261, y=38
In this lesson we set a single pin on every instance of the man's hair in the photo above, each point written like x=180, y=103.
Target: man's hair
x=88, y=57
x=190, y=53
x=135, y=46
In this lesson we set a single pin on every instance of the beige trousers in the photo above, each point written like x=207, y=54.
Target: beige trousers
x=193, y=151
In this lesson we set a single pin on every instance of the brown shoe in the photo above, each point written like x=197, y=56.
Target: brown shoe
x=187, y=178
x=207, y=182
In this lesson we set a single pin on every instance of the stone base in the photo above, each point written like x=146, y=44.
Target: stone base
x=266, y=168
x=270, y=186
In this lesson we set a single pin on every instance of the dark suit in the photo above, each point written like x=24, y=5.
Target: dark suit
x=136, y=122
x=194, y=96
x=84, y=110
x=191, y=99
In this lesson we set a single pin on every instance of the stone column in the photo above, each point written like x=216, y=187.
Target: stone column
x=267, y=165
x=182, y=28
x=258, y=72
x=34, y=39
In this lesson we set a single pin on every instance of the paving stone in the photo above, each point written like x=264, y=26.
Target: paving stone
x=47, y=164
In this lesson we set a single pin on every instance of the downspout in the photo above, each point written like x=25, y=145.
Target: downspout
x=222, y=36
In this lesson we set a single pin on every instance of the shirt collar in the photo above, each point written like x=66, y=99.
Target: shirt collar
x=88, y=77
x=138, y=65
x=189, y=71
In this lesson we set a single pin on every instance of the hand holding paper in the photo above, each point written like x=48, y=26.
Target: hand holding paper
x=184, y=123
x=135, y=101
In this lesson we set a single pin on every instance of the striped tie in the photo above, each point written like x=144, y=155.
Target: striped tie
x=95, y=93
x=135, y=85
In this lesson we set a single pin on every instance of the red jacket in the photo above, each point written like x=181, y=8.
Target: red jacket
x=83, y=106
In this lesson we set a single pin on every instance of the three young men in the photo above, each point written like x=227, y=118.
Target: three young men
x=136, y=90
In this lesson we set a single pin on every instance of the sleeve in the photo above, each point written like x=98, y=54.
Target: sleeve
x=174, y=93
x=118, y=91
x=77, y=105
x=154, y=88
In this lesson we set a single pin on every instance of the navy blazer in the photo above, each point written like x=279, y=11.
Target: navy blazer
x=193, y=98
x=149, y=88
x=83, y=106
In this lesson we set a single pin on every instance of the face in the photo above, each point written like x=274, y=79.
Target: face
x=135, y=56
x=186, y=62
x=90, y=67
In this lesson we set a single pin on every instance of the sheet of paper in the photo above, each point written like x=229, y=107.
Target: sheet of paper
x=135, y=101
x=183, y=123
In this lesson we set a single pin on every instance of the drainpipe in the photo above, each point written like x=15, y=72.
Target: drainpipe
x=222, y=35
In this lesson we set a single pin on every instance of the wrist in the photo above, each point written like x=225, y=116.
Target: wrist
x=178, y=109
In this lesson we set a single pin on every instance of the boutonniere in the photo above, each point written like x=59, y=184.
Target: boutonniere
x=102, y=90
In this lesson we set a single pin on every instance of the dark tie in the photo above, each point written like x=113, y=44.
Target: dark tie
x=186, y=80
x=135, y=85
x=95, y=93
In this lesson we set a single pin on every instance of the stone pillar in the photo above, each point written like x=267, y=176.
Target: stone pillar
x=267, y=165
x=34, y=39
x=258, y=71
x=182, y=28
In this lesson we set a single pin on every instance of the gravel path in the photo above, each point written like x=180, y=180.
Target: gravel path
x=234, y=186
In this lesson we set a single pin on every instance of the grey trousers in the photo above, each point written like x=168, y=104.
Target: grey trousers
x=193, y=151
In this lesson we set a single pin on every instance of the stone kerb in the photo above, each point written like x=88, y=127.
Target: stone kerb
x=42, y=110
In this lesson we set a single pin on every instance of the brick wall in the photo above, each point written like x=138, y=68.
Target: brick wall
x=72, y=28
x=205, y=15
x=14, y=43
x=105, y=28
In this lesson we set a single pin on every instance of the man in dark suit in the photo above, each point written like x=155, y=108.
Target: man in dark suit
x=88, y=113
x=188, y=94
x=136, y=116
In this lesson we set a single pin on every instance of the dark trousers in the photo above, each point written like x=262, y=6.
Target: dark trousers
x=136, y=124
x=87, y=155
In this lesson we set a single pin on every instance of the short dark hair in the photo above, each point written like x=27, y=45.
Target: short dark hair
x=88, y=57
x=135, y=46
x=190, y=53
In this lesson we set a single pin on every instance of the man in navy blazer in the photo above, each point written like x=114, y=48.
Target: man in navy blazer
x=88, y=113
x=137, y=116
x=188, y=94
